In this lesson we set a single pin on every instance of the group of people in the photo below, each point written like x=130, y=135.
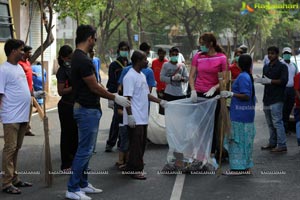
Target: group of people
x=129, y=92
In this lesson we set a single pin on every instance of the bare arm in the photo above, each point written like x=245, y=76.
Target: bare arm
x=242, y=97
x=192, y=77
x=128, y=109
x=62, y=90
x=96, y=88
x=153, y=98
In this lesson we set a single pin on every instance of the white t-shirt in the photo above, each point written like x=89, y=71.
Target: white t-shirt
x=135, y=86
x=180, y=58
x=16, y=97
x=292, y=72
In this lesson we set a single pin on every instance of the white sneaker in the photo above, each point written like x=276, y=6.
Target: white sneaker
x=77, y=195
x=90, y=189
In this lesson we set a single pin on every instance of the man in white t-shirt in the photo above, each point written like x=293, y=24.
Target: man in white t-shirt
x=15, y=101
x=289, y=93
x=136, y=116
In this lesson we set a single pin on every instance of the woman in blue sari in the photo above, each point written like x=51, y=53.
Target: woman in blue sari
x=242, y=112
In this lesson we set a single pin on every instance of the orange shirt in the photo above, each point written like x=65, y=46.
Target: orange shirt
x=28, y=72
x=235, y=71
x=156, y=67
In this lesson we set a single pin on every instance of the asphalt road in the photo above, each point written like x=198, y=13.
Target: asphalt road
x=275, y=176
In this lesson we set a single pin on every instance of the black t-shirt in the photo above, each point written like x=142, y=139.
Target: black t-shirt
x=82, y=66
x=63, y=75
x=275, y=93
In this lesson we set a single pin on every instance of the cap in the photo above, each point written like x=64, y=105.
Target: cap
x=287, y=49
x=243, y=47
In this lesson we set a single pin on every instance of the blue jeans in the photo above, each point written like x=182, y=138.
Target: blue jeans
x=88, y=124
x=273, y=114
x=298, y=132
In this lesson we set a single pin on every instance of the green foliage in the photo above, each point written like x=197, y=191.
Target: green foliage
x=76, y=9
x=153, y=19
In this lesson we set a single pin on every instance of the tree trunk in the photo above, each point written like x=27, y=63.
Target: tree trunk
x=190, y=35
x=129, y=32
x=49, y=39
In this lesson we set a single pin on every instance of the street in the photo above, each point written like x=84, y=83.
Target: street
x=275, y=176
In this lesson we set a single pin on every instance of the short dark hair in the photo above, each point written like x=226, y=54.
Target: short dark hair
x=122, y=44
x=27, y=48
x=273, y=48
x=12, y=44
x=137, y=55
x=160, y=50
x=64, y=51
x=245, y=62
x=176, y=49
x=83, y=32
x=145, y=46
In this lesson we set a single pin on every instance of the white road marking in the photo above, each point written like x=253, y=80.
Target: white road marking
x=178, y=187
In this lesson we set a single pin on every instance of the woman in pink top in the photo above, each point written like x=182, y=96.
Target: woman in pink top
x=204, y=74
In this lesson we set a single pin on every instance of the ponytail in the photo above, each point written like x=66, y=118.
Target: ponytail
x=219, y=49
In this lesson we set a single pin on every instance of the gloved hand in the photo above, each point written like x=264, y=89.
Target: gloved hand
x=122, y=101
x=263, y=81
x=39, y=94
x=258, y=80
x=176, y=77
x=210, y=92
x=194, y=96
x=131, y=121
x=163, y=103
x=226, y=94
x=111, y=104
x=266, y=81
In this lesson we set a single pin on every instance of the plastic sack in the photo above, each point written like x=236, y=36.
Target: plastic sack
x=156, y=131
x=189, y=129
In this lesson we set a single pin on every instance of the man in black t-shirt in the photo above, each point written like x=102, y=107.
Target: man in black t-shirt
x=275, y=78
x=87, y=111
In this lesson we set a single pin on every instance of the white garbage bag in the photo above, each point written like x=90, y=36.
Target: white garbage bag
x=156, y=132
x=189, y=129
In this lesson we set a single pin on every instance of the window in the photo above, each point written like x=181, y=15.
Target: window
x=5, y=21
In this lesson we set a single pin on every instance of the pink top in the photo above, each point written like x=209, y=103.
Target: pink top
x=207, y=68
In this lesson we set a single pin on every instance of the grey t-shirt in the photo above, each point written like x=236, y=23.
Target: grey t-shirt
x=174, y=88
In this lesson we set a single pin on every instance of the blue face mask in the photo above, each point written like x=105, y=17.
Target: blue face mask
x=203, y=48
x=236, y=58
x=286, y=56
x=174, y=59
x=124, y=54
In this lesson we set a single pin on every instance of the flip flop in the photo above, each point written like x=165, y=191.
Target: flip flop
x=122, y=167
x=12, y=190
x=23, y=184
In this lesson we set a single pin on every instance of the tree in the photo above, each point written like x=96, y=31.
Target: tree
x=46, y=6
x=189, y=13
x=76, y=9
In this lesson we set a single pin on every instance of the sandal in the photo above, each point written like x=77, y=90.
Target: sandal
x=138, y=176
x=122, y=167
x=23, y=184
x=12, y=190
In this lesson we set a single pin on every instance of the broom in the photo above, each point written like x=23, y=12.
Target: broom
x=48, y=163
x=224, y=121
